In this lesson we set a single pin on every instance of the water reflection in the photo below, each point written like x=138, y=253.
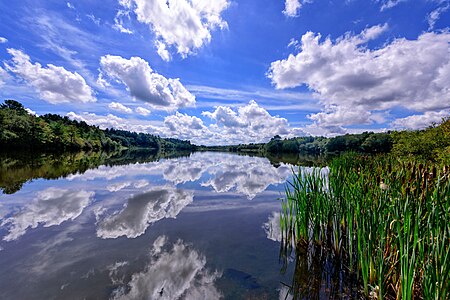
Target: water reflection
x=18, y=168
x=92, y=228
x=51, y=207
x=173, y=272
x=142, y=210
x=244, y=175
x=273, y=227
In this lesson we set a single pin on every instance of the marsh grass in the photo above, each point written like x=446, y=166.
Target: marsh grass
x=380, y=220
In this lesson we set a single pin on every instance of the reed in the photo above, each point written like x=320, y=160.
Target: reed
x=385, y=220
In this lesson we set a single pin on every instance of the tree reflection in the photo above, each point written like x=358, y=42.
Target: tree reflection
x=20, y=168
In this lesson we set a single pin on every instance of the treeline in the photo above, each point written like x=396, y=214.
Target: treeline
x=432, y=143
x=20, y=130
x=367, y=142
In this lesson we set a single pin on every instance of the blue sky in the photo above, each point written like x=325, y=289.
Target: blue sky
x=224, y=72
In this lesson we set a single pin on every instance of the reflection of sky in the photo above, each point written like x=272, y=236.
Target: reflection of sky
x=66, y=232
x=172, y=273
x=142, y=210
x=129, y=198
x=51, y=207
x=244, y=175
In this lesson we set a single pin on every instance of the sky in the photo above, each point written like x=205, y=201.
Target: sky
x=220, y=72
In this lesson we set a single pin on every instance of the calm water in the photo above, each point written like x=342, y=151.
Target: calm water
x=203, y=226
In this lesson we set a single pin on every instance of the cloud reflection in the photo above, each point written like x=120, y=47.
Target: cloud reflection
x=51, y=207
x=223, y=172
x=172, y=273
x=273, y=227
x=142, y=210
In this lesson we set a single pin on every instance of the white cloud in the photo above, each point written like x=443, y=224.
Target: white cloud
x=51, y=207
x=119, y=20
x=95, y=20
x=355, y=83
x=142, y=111
x=162, y=51
x=31, y=112
x=146, y=85
x=120, y=107
x=184, y=126
x=182, y=24
x=420, y=121
x=3, y=76
x=250, y=123
x=143, y=210
x=109, y=121
x=292, y=7
x=3, y=40
x=70, y=5
x=434, y=16
x=176, y=272
x=387, y=4
x=54, y=84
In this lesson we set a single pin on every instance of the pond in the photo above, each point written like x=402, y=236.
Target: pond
x=200, y=226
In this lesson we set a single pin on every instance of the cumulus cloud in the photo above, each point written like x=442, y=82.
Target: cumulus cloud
x=142, y=210
x=420, y=121
x=54, y=84
x=109, y=121
x=249, y=123
x=184, y=126
x=354, y=83
x=51, y=207
x=183, y=24
x=174, y=272
x=145, y=84
x=292, y=7
x=142, y=111
x=120, y=107
x=3, y=40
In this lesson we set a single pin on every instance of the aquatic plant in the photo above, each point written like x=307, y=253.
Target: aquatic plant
x=384, y=220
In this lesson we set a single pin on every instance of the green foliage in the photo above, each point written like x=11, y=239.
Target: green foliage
x=384, y=219
x=432, y=143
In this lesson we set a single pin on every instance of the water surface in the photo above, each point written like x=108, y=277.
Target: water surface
x=201, y=226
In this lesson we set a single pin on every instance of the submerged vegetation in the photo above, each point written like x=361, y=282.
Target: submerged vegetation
x=382, y=221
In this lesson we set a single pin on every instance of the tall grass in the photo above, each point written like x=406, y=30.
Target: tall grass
x=386, y=221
